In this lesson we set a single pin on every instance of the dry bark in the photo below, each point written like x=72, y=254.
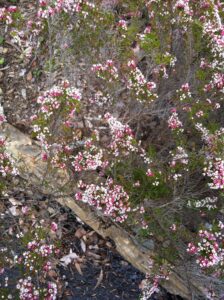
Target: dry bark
x=188, y=284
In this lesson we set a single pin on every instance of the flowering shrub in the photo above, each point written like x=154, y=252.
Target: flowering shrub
x=150, y=70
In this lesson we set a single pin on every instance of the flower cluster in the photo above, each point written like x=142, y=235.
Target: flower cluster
x=122, y=24
x=174, y=123
x=7, y=164
x=179, y=162
x=143, y=89
x=122, y=137
x=100, y=99
x=179, y=156
x=2, y=119
x=208, y=203
x=67, y=99
x=27, y=290
x=108, y=197
x=209, y=250
x=124, y=143
x=150, y=285
x=215, y=170
x=149, y=288
x=107, y=71
x=51, y=293
x=89, y=159
x=37, y=256
x=183, y=5
x=214, y=31
x=49, y=8
x=184, y=92
x=19, y=38
x=6, y=14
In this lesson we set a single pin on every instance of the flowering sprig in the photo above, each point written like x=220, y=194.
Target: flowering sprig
x=144, y=90
x=61, y=100
x=179, y=162
x=122, y=137
x=174, y=122
x=6, y=14
x=7, y=163
x=150, y=285
x=183, y=5
x=122, y=24
x=106, y=71
x=208, y=203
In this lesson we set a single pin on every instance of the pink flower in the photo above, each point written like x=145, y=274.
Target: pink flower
x=174, y=122
x=192, y=249
x=12, y=9
x=43, y=3
x=78, y=196
x=149, y=173
x=2, y=270
x=122, y=24
x=2, y=119
x=44, y=156
x=173, y=227
x=54, y=226
x=25, y=210
x=151, y=85
x=47, y=267
x=147, y=29
x=185, y=87
x=132, y=64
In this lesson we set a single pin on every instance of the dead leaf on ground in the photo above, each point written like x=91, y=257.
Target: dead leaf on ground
x=67, y=259
x=29, y=76
x=80, y=232
x=14, y=211
x=94, y=255
x=13, y=201
x=99, y=280
x=78, y=268
x=83, y=246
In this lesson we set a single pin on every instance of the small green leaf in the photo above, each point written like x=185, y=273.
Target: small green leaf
x=1, y=40
x=2, y=60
